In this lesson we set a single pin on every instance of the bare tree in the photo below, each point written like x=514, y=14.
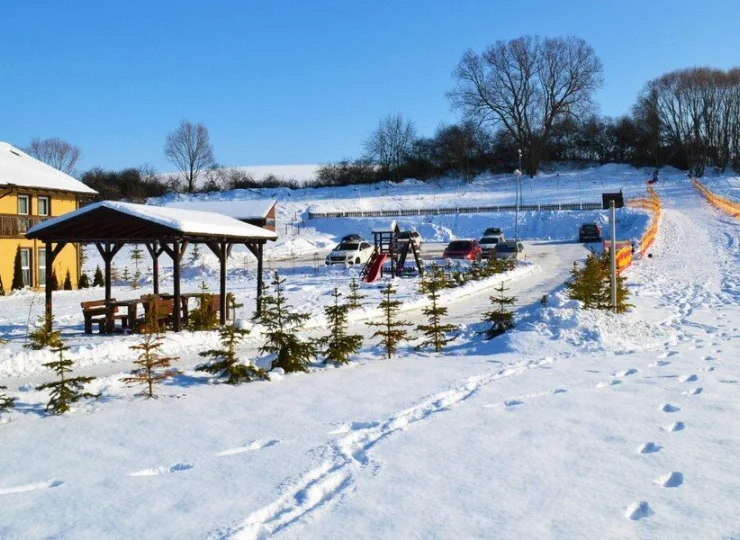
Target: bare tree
x=55, y=152
x=527, y=84
x=189, y=149
x=391, y=143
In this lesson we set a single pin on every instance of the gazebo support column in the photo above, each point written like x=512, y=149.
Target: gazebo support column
x=260, y=286
x=51, y=255
x=175, y=252
x=221, y=250
x=155, y=251
x=107, y=251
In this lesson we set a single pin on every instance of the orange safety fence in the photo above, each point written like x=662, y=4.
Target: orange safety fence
x=624, y=253
x=721, y=203
x=651, y=203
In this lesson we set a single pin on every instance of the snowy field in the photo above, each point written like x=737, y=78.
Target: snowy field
x=577, y=424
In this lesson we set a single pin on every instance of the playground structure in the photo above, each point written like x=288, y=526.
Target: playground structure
x=387, y=246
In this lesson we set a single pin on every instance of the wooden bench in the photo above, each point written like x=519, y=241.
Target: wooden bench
x=159, y=310
x=103, y=314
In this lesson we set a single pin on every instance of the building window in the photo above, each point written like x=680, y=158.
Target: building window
x=42, y=208
x=26, y=266
x=24, y=205
x=42, y=267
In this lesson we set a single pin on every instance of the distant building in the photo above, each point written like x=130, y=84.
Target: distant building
x=255, y=212
x=31, y=192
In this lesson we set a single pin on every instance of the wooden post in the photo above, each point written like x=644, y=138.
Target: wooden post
x=49, y=289
x=107, y=261
x=260, y=252
x=155, y=251
x=176, y=256
x=222, y=309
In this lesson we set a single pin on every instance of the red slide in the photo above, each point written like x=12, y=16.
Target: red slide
x=376, y=264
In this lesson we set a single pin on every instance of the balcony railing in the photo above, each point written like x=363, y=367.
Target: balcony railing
x=14, y=226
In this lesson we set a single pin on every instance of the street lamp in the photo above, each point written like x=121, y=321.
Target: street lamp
x=518, y=174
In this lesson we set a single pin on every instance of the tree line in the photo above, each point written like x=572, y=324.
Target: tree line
x=529, y=94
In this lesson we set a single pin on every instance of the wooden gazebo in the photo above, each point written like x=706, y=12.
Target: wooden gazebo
x=110, y=225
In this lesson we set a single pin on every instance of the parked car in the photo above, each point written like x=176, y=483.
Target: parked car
x=493, y=231
x=468, y=250
x=509, y=250
x=354, y=237
x=489, y=241
x=410, y=236
x=589, y=232
x=350, y=253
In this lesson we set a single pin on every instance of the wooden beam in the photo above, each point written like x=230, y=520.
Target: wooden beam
x=176, y=257
x=49, y=288
x=222, y=310
x=253, y=248
x=259, y=278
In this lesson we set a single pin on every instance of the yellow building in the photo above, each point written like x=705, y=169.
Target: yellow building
x=31, y=192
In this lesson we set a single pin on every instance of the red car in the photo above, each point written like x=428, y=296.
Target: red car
x=468, y=250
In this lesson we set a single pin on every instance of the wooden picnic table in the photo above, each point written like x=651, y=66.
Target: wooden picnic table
x=132, y=307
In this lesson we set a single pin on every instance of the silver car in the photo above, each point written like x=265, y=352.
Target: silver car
x=509, y=250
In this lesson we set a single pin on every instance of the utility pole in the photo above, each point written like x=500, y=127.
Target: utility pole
x=518, y=182
x=614, y=254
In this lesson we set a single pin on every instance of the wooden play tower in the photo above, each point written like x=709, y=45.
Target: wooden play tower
x=387, y=246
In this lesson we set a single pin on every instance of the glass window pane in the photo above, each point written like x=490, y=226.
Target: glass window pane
x=23, y=205
x=42, y=268
x=26, y=266
x=43, y=206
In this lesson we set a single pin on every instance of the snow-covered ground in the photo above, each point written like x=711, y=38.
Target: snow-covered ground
x=578, y=424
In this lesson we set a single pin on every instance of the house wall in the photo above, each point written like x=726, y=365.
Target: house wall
x=68, y=259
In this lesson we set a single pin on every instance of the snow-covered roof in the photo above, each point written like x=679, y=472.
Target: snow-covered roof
x=254, y=209
x=19, y=169
x=392, y=226
x=185, y=221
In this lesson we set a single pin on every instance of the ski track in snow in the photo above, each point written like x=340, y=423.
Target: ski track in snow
x=350, y=453
x=30, y=487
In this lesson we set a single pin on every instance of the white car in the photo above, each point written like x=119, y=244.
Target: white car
x=350, y=253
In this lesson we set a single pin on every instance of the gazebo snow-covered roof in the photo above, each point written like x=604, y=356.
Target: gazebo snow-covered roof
x=111, y=224
x=18, y=169
x=241, y=210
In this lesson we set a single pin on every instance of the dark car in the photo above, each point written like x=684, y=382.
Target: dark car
x=468, y=250
x=589, y=232
x=351, y=238
x=493, y=231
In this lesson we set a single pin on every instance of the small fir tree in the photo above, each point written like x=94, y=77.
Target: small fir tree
x=153, y=366
x=474, y=273
x=224, y=361
x=391, y=330
x=2, y=288
x=44, y=335
x=194, y=254
x=68, y=282
x=115, y=275
x=65, y=391
x=6, y=402
x=54, y=281
x=137, y=255
x=17, y=284
x=354, y=298
x=500, y=317
x=84, y=281
x=435, y=332
x=98, y=280
x=591, y=284
x=126, y=276
x=282, y=326
x=203, y=317
x=339, y=346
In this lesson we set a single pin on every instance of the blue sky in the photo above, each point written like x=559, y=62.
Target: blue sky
x=280, y=82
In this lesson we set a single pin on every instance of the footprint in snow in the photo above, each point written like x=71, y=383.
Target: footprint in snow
x=605, y=384
x=259, y=444
x=513, y=402
x=649, y=448
x=638, y=510
x=708, y=358
x=163, y=469
x=670, y=480
x=660, y=363
x=354, y=426
x=710, y=368
x=727, y=381
x=668, y=408
x=626, y=373
x=693, y=392
x=31, y=487
x=675, y=426
x=688, y=378
x=667, y=354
